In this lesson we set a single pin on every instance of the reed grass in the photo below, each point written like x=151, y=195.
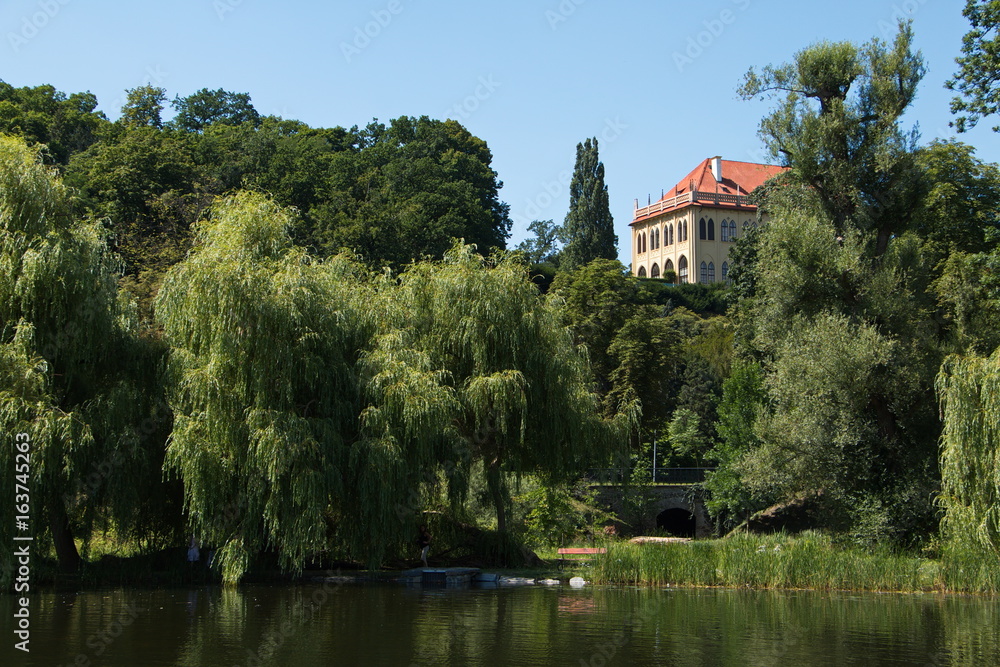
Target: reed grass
x=806, y=561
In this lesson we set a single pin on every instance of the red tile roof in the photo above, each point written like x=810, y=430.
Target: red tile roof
x=738, y=178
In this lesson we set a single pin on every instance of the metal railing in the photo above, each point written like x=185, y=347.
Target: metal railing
x=660, y=475
x=687, y=197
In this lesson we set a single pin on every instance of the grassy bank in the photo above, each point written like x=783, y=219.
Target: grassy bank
x=808, y=561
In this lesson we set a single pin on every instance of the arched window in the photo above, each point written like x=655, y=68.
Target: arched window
x=682, y=269
x=701, y=229
x=725, y=272
x=684, y=232
x=711, y=229
x=655, y=271
x=642, y=271
x=711, y=272
x=642, y=243
x=668, y=266
x=732, y=230
x=656, y=238
x=704, y=273
x=670, y=234
x=724, y=230
x=746, y=225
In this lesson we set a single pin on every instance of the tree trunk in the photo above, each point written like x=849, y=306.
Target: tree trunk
x=494, y=482
x=62, y=538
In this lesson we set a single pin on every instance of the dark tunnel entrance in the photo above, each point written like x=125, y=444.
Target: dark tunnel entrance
x=678, y=522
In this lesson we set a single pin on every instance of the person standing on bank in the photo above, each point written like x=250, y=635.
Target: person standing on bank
x=424, y=541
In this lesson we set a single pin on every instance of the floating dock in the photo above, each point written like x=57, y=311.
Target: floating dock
x=444, y=576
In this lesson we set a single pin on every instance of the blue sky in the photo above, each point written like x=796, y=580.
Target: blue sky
x=654, y=81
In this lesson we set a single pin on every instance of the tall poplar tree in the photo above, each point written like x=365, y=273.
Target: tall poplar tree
x=589, y=229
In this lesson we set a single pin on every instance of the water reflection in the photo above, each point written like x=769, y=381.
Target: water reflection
x=347, y=624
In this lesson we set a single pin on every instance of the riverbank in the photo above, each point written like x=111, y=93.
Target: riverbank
x=809, y=561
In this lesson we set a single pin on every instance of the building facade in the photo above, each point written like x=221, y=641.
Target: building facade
x=690, y=230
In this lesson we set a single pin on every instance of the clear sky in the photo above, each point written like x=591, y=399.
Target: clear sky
x=653, y=80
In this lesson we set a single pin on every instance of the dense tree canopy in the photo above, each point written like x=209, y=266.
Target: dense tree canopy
x=518, y=395
x=837, y=129
x=209, y=107
x=838, y=313
x=65, y=124
x=406, y=190
x=263, y=384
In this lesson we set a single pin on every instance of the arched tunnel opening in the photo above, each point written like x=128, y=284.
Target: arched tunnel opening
x=676, y=521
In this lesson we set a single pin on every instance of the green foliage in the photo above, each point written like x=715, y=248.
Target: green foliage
x=702, y=299
x=589, y=230
x=809, y=561
x=327, y=407
x=144, y=107
x=961, y=206
x=647, y=355
x=840, y=314
x=209, y=107
x=636, y=491
x=743, y=398
x=970, y=465
x=976, y=79
x=544, y=246
x=686, y=435
x=559, y=514
x=969, y=290
x=43, y=115
x=264, y=390
x=598, y=298
x=74, y=378
x=407, y=191
x=504, y=382
x=837, y=130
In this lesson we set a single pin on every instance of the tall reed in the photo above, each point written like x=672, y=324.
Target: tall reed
x=810, y=560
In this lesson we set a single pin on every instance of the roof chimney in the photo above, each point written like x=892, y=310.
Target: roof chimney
x=717, y=168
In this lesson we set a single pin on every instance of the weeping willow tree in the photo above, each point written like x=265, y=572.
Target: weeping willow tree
x=476, y=368
x=64, y=337
x=969, y=389
x=264, y=345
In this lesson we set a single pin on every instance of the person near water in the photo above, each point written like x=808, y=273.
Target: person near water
x=424, y=542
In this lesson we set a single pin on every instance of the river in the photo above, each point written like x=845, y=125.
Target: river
x=387, y=624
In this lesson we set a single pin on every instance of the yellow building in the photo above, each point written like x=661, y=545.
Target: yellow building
x=690, y=230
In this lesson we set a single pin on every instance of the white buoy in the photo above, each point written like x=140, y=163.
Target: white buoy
x=577, y=582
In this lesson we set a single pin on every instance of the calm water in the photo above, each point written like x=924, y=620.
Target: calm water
x=393, y=625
